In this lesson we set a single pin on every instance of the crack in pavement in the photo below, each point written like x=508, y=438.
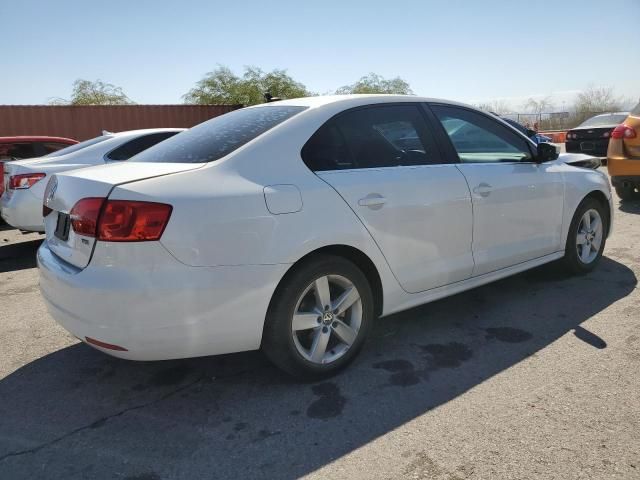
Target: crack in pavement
x=101, y=421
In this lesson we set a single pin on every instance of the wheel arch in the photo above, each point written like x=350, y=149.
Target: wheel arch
x=354, y=255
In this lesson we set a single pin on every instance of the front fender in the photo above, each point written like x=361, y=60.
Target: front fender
x=580, y=182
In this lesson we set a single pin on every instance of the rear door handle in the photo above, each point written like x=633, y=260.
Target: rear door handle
x=484, y=189
x=374, y=201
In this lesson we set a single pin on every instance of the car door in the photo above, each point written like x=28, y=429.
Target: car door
x=385, y=164
x=517, y=203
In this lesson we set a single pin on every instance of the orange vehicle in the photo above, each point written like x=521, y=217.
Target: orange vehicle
x=623, y=156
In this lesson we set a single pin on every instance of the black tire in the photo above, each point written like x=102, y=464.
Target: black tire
x=571, y=259
x=626, y=193
x=278, y=339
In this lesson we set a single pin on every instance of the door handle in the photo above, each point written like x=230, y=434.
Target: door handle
x=484, y=189
x=374, y=201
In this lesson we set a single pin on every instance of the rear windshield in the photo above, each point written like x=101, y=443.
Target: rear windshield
x=604, y=120
x=636, y=111
x=219, y=136
x=79, y=146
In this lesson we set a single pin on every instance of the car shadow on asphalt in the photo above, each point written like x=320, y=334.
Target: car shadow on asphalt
x=86, y=415
x=18, y=256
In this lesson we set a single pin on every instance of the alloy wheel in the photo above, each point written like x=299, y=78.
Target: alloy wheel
x=326, y=319
x=589, y=236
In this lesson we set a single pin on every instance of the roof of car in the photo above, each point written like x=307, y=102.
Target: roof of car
x=610, y=113
x=37, y=138
x=356, y=100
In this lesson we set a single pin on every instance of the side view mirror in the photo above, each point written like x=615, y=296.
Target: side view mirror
x=547, y=152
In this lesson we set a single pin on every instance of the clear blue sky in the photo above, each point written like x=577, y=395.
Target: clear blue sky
x=464, y=50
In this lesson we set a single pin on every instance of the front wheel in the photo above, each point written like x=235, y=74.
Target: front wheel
x=319, y=317
x=586, y=237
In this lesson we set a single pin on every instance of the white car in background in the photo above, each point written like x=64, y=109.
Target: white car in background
x=291, y=225
x=25, y=180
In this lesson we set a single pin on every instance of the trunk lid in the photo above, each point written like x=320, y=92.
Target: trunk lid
x=65, y=189
x=592, y=133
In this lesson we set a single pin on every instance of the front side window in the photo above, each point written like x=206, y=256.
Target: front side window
x=372, y=137
x=219, y=136
x=137, y=145
x=480, y=139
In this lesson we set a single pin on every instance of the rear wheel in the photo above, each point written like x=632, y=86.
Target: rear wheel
x=626, y=192
x=586, y=237
x=319, y=318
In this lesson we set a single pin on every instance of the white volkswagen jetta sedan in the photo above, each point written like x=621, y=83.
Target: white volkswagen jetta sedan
x=25, y=180
x=291, y=225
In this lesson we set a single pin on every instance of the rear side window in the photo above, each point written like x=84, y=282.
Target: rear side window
x=372, y=137
x=219, y=136
x=79, y=146
x=18, y=151
x=50, y=147
x=137, y=145
x=480, y=139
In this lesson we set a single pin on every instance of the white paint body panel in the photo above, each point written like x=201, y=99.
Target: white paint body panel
x=420, y=217
x=517, y=211
x=205, y=287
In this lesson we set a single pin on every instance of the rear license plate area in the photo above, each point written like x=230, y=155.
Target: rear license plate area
x=588, y=146
x=62, y=226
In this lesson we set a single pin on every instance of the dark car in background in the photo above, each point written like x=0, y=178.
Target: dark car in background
x=532, y=134
x=592, y=136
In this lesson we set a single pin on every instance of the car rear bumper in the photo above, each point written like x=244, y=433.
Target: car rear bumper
x=597, y=148
x=154, y=306
x=22, y=210
x=623, y=167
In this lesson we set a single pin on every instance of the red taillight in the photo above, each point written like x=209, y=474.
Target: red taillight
x=623, y=131
x=120, y=220
x=25, y=180
x=131, y=221
x=84, y=216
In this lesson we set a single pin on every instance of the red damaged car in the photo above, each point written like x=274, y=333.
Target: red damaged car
x=16, y=148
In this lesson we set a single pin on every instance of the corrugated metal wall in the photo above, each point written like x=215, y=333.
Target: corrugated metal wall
x=87, y=121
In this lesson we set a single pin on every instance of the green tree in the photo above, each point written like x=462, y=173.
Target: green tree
x=87, y=92
x=222, y=86
x=374, y=83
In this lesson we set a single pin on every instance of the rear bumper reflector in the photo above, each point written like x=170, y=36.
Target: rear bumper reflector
x=108, y=346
